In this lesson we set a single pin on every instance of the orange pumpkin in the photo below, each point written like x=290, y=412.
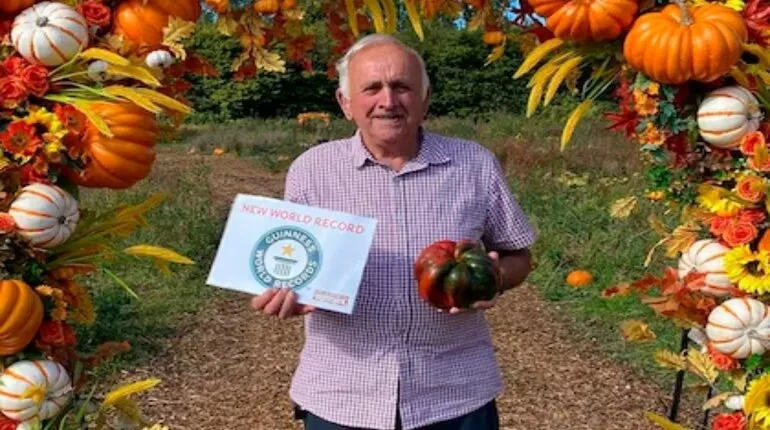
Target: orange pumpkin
x=583, y=21
x=493, y=38
x=21, y=313
x=579, y=278
x=143, y=23
x=678, y=44
x=267, y=6
x=288, y=4
x=12, y=7
x=220, y=6
x=124, y=159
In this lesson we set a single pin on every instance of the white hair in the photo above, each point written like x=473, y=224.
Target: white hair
x=376, y=39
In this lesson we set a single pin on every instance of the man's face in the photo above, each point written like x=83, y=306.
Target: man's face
x=385, y=93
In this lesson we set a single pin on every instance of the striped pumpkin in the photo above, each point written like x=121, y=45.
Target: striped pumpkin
x=726, y=115
x=706, y=256
x=739, y=327
x=34, y=389
x=49, y=33
x=45, y=215
x=21, y=313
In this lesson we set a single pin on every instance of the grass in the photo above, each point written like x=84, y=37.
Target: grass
x=567, y=195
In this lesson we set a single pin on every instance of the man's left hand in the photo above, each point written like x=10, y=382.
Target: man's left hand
x=481, y=305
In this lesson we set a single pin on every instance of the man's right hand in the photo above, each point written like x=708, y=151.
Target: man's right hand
x=281, y=302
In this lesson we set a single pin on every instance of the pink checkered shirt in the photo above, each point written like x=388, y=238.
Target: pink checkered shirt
x=396, y=351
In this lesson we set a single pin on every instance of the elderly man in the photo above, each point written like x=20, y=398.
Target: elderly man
x=396, y=362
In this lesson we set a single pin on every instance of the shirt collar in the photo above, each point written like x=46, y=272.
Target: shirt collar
x=431, y=151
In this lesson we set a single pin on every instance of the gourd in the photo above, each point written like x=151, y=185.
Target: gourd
x=726, y=115
x=267, y=7
x=739, y=327
x=124, y=159
x=159, y=59
x=30, y=389
x=585, y=21
x=678, y=44
x=49, y=33
x=21, y=313
x=45, y=215
x=455, y=274
x=143, y=23
x=706, y=256
x=12, y=7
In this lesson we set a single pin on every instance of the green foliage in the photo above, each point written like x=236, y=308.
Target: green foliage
x=462, y=85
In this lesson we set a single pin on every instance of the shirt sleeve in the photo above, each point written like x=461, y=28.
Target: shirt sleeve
x=507, y=227
x=295, y=188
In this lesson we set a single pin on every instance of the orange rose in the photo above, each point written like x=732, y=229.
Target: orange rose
x=719, y=224
x=12, y=92
x=733, y=421
x=722, y=361
x=7, y=224
x=750, y=142
x=96, y=14
x=754, y=216
x=35, y=79
x=750, y=188
x=740, y=233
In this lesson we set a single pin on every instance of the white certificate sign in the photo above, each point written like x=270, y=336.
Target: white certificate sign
x=318, y=253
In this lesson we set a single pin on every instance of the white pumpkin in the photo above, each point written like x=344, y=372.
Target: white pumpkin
x=45, y=215
x=707, y=256
x=34, y=389
x=159, y=59
x=739, y=327
x=49, y=33
x=726, y=115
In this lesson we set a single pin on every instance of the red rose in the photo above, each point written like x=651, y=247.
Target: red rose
x=7, y=423
x=734, y=421
x=12, y=92
x=722, y=361
x=7, y=223
x=97, y=14
x=740, y=233
x=35, y=78
x=754, y=216
x=719, y=224
x=13, y=66
x=56, y=334
x=30, y=176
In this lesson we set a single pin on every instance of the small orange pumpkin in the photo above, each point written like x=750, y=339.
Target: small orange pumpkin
x=120, y=161
x=579, y=278
x=288, y=4
x=583, y=21
x=143, y=23
x=21, y=313
x=220, y=6
x=678, y=43
x=12, y=7
x=493, y=38
x=267, y=7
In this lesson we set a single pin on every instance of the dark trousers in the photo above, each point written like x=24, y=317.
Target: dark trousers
x=484, y=418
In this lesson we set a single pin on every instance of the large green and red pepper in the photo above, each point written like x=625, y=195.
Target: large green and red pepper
x=456, y=274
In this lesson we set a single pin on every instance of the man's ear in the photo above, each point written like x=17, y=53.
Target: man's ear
x=344, y=104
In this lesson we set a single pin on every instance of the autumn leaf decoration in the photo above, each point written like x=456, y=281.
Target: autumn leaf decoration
x=174, y=34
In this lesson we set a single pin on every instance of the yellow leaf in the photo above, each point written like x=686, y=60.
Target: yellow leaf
x=670, y=360
x=681, y=239
x=158, y=253
x=561, y=74
x=572, y=122
x=376, y=12
x=104, y=55
x=164, y=100
x=739, y=378
x=94, y=118
x=622, y=208
x=390, y=15
x=702, y=365
x=132, y=95
x=414, y=17
x=350, y=6
x=636, y=331
x=663, y=422
x=227, y=25
x=127, y=390
x=496, y=54
x=269, y=61
x=716, y=401
x=657, y=225
x=175, y=32
x=135, y=72
x=740, y=77
x=536, y=55
x=762, y=54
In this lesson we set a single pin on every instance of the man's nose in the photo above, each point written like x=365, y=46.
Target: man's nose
x=387, y=98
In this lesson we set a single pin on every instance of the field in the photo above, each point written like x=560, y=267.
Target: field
x=565, y=337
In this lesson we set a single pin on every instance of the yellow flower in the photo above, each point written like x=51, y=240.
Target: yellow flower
x=653, y=89
x=737, y=5
x=47, y=119
x=644, y=104
x=756, y=404
x=748, y=269
x=655, y=195
x=714, y=199
x=652, y=135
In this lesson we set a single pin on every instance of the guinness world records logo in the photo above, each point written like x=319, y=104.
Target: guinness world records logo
x=286, y=256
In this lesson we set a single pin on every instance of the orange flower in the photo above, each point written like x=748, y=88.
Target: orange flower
x=719, y=224
x=754, y=216
x=750, y=188
x=57, y=334
x=652, y=135
x=20, y=139
x=722, y=361
x=740, y=233
x=733, y=421
x=750, y=141
x=72, y=118
x=7, y=224
x=644, y=104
